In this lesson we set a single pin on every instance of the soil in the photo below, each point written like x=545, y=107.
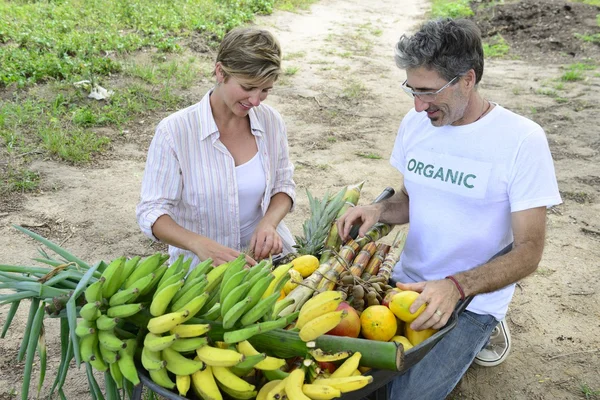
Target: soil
x=342, y=108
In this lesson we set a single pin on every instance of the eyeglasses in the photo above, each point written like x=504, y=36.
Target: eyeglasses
x=426, y=96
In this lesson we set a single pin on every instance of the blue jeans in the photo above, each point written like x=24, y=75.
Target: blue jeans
x=434, y=377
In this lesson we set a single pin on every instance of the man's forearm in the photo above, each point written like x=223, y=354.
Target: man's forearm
x=394, y=211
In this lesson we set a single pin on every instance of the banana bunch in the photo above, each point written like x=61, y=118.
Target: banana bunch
x=114, y=297
x=319, y=315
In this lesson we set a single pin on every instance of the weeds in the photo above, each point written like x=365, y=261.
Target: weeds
x=589, y=393
x=495, y=47
x=451, y=9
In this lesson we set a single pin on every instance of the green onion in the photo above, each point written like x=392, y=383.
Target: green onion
x=35, y=303
x=43, y=353
x=9, y=317
x=34, y=334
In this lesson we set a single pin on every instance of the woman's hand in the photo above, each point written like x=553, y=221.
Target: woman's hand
x=265, y=241
x=208, y=248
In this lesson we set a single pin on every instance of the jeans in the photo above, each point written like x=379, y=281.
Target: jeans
x=434, y=377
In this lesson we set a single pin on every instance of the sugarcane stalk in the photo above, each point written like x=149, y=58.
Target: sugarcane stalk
x=377, y=231
x=339, y=265
x=362, y=258
x=333, y=241
x=375, y=262
x=392, y=258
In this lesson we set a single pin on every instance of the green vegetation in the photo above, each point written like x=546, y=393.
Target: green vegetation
x=576, y=72
x=354, y=89
x=495, y=47
x=370, y=156
x=53, y=53
x=589, y=393
x=451, y=9
x=289, y=71
x=590, y=2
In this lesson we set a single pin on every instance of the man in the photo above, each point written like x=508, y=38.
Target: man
x=477, y=178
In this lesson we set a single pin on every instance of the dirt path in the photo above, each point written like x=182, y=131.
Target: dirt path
x=342, y=104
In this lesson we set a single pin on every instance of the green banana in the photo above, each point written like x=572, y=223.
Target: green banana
x=161, y=377
x=243, y=368
x=237, y=394
x=146, y=282
x=185, y=299
x=116, y=374
x=174, y=268
x=233, y=297
x=86, y=346
x=180, y=365
x=234, y=281
x=155, y=342
x=97, y=361
x=215, y=276
x=125, y=310
x=158, y=274
x=123, y=296
x=190, y=344
x=112, y=274
x=213, y=313
x=201, y=269
x=197, y=284
x=85, y=327
x=93, y=292
x=106, y=323
x=109, y=356
x=212, y=300
x=161, y=299
x=257, y=276
x=166, y=322
x=260, y=309
x=258, y=289
x=145, y=267
x=262, y=266
x=151, y=359
x=195, y=305
x=235, y=266
x=275, y=374
x=251, y=330
x=177, y=276
x=129, y=267
x=235, y=313
x=126, y=363
x=90, y=311
x=110, y=341
x=280, y=305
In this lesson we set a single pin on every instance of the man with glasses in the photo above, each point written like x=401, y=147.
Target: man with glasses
x=477, y=181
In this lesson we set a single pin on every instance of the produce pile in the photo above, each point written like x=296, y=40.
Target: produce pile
x=310, y=327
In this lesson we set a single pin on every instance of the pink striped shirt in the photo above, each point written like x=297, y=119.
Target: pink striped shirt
x=190, y=175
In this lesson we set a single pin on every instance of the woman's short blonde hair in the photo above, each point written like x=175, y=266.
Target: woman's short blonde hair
x=250, y=53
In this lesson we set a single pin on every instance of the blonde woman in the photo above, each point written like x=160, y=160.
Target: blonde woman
x=218, y=177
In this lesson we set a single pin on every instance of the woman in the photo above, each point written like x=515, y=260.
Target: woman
x=218, y=178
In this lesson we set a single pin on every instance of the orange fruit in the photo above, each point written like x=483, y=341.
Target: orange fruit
x=378, y=323
x=400, y=305
x=416, y=337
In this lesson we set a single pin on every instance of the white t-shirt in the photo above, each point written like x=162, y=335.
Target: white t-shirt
x=251, y=183
x=463, y=183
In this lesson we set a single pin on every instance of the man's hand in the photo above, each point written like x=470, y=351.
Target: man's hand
x=265, y=241
x=440, y=296
x=208, y=248
x=366, y=216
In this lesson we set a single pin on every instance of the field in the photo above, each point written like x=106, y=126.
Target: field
x=78, y=182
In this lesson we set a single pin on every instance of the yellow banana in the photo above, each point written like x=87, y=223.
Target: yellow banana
x=264, y=390
x=231, y=380
x=347, y=384
x=268, y=364
x=180, y=365
x=277, y=391
x=293, y=385
x=166, y=322
x=280, y=273
x=204, y=385
x=348, y=367
x=308, y=312
x=191, y=330
x=321, y=356
x=161, y=378
x=195, y=305
x=217, y=357
x=151, y=359
x=161, y=299
x=321, y=325
x=155, y=342
x=320, y=392
x=235, y=394
x=183, y=384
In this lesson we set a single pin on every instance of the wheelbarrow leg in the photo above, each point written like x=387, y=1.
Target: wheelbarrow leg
x=137, y=392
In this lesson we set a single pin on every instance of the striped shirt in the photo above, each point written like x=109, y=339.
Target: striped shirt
x=190, y=175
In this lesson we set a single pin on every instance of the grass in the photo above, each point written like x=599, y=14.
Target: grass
x=495, y=47
x=451, y=9
x=136, y=48
x=370, y=156
x=589, y=393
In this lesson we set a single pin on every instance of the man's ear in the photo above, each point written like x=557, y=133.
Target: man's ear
x=470, y=78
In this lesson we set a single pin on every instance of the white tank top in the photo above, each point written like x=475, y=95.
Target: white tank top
x=251, y=182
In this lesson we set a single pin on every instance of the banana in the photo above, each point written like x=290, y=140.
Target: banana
x=195, y=305
x=169, y=281
x=320, y=392
x=280, y=306
x=166, y=322
x=276, y=374
x=161, y=299
x=144, y=267
x=112, y=274
x=232, y=283
x=234, y=268
x=262, y=393
x=213, y=313
x=235, y=312
x=269, y=363
x=90, y=311
x=110, y=341
x=158, y=273
x=348, y=367
x=187, y=297
x=258, y=289
x=129, y=267
x=277, y=391
x=116, y=374
x=106, y=323
x=85, y=327
x=230, y=380
x=191, y=344
x=216, y=357
x=215, y=276
x=125, y=310
x=348, y=384
x=199, y=282
x=123, y=296
x=234, y=296
x=323, y=303
x=235, y=394
x=321, y=356
x=321, y=325
x=191, y=330
x=262, y=267
x=280, y=273
x=151, y=359
x=161, y=377
x=203, y=383
x=260, y=309
x=293, y=385
x=155, y=342
x=245, y=367
x=191, y=282
x=93, y=292
x=109, y=356
x=201, y=269
x=251, y=330
x=86, y=346
x=171, y=271
x=180, y=365
x=183, y=383
x=126, y=363
x=97, y=361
